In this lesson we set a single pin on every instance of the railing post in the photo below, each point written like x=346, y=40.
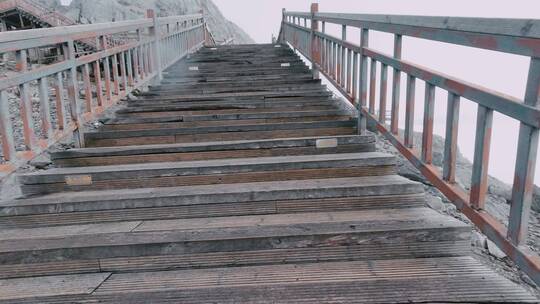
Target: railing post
x=281, y=38
x=525, y=163
x=313, y=51
x=396, y=87
x=156, y=52
x=362, y=119
x=6, y=130
x=73, y=95
x=26, y=103
x=450, y=145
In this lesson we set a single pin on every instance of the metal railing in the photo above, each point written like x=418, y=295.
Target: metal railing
x=346, y=67
x=108, y=75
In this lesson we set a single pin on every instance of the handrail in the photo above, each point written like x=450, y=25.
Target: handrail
x=109, y=74
x=346, y=67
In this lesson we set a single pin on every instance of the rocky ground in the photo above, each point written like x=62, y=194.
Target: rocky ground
x=95, y=11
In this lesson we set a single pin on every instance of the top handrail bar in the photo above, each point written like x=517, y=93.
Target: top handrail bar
x=499, y=34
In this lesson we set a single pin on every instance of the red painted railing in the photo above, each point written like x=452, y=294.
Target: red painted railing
x=345, y=65
x=109, y=74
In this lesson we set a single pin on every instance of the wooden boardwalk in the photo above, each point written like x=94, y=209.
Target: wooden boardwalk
x=239, y=179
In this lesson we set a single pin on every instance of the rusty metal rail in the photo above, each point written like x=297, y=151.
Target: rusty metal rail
x=346, y=66
x=108, y=75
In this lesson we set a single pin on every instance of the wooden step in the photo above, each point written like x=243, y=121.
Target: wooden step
x=145, y=105
x=359, y=252
x=269, y=114
x=225, y=133
x=215, y=171
x=234, y=233
x=430, y=280
x=376, y=190
x=212, y=150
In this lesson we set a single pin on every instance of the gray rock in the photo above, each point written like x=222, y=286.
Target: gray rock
x=41, y=162
x=479, y=240
x=495, y=251
x=435, y=203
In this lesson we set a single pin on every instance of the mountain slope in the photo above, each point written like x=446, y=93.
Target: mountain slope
x=96, y=11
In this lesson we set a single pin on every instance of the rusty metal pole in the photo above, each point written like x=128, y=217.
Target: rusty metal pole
x=156, y=49
x=314, y=48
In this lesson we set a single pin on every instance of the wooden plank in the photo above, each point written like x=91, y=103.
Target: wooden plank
x=427, y=133
x=482, y=145
x=115, y=75
x=525, y=163
x=98, y=82
x=409, y=112
x=44, y=108
x=30, y=140
x=61, y=118
x=87, y=88
x=396, y=84
x=363, y=94
x=383, y=93
x=372, y=85
x=6, y=129
x=80, y=284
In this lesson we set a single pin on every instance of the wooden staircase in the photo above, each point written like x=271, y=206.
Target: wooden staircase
x=239, y=179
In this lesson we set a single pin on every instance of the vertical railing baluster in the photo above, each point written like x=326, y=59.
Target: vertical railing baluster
x=155, y=51
x=123, y=71
x=525, y=163
x=44, y=108
x=116, y=76
x=427, y=132
x=349, y=71
x=394, y=127
x=450, y=145
x=314, y=47
x=383, y=93
x=97, y=79
x=130, y=68
x=26, y=103
x=73, y=97
x=355, y=78
x=61, y=118
x=6, y=129
x=482, y=142
x=372, y=85
x=107, y=71
x=409, y=112
x=87, y=88
x=343, y=56
x=362, y=119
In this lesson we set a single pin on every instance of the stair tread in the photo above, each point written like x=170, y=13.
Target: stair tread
x=268, y=188
x=449, y=279
x=226, y=228
x=111, y=172
x=209, y=146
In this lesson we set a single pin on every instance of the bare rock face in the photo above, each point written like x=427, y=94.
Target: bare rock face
x=95, y=11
